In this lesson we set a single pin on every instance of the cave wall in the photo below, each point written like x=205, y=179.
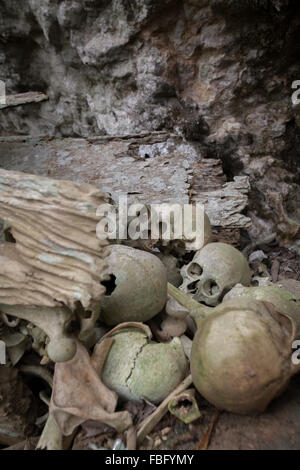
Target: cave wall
x=217, y=72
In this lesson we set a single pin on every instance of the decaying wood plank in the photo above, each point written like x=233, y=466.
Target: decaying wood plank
x=224, y=202
x=156, y=172
x=151, y=167
x=23, y=98
x=56, y=258
x=143, y=137
x=227, y=235
x=207, y=175
x=224, y=206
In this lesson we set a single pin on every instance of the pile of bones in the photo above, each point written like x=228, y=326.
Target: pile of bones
x=104, y=324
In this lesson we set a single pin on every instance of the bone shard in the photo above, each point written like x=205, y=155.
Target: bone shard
x=54, y=225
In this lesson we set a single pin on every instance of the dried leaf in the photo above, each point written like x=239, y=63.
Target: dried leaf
x=79, y=395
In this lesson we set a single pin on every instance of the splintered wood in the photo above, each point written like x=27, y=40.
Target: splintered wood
x=151, y=167
x=223, y=202
x=22, y=98
x=56, y=258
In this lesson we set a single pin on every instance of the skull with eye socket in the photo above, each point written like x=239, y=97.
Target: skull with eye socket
x=213, y=271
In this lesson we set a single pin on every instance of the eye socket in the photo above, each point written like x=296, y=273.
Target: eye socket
x=109, y=284
x=194, y=270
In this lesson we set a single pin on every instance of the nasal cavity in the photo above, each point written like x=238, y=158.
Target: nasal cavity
x=211, y=288
x=192, y=287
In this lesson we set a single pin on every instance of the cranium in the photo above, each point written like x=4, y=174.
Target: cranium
x=140, y=290
x=213, y=271
x=137, y=367
x=242, y=353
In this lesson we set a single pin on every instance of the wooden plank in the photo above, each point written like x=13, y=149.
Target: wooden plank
x=151, y=167
x=23, y=98
x=224, y=202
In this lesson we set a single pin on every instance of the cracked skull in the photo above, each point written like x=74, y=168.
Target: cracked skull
x=137, y=367
x=213, y=271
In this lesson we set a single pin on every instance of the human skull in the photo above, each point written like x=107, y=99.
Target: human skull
x=257, y=360
x=255, y=364
x=140, y=286
x=213, y=271
x=137, y=368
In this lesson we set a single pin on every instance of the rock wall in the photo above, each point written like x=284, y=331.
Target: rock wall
x=217, y=72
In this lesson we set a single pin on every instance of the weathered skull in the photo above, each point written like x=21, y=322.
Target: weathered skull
x=137, y=367
x=137, y=290
x=256, y=328
x=213, y=271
